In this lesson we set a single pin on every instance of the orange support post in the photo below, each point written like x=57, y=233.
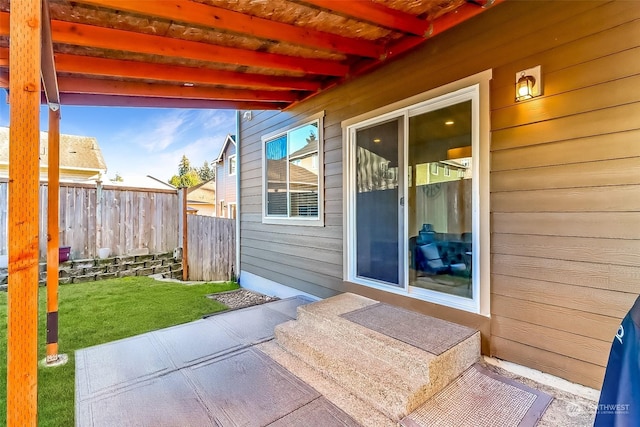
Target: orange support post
x=24, y=147
x=53, y=235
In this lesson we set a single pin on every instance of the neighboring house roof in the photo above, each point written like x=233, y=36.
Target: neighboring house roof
x=204, y=193
x=147, y=181
x=309, y=148
x=297, y=174
x=230, y=139
x=76, y=152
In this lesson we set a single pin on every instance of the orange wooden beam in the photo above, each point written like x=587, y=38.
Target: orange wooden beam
x=155, y=90
x=138, y=101
x=175, y=73
x=93, y=66
x=378, y=14
x=203, y=15
x=24, y=177
x=120, y=40
x=53, y=234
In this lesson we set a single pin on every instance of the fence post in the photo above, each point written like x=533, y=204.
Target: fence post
x=98, y=241
x=185, y=236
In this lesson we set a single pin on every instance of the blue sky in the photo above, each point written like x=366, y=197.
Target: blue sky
x=144, y=141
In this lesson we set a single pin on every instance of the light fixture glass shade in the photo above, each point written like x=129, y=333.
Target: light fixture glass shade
x=524, y=87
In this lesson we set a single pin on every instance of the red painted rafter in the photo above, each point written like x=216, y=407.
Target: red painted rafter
x=120, y=40
x=377, y=14
x=93, y=66
x=176, y=73
x=155, y=90
x=199, y=14
x=133, y=101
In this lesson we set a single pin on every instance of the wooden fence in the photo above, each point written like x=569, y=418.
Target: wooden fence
x=96, y=216
x=211, y=248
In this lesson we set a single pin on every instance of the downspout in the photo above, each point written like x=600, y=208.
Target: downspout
x=238, y=204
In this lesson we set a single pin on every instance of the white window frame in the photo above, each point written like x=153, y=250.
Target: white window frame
x=231, y=159
x=476, y=86
x=307, y=221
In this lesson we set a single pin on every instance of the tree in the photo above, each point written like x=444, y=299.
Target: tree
x=206, y=172
x=117, y=178
x=189, y=179
x=187, y=176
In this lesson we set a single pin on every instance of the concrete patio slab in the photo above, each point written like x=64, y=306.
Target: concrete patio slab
x=203, y=373
x=289, y=306
x=197, y=341
x=211, y=372
x=318, y=413
x=116, y=364
x=248, y=388
x=168, y=400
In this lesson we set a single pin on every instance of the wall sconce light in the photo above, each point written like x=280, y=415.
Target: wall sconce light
x=528, y=83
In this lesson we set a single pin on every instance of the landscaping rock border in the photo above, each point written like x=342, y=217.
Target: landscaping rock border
x=241, y=298
x=90, y=270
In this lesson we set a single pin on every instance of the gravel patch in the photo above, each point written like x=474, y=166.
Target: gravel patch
x=241, y=298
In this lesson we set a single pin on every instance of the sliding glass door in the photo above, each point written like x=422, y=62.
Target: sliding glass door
x=413, y=200
x=377, y=194
x=439, y=199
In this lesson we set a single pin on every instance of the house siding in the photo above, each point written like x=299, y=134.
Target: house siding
x=565, y=179
x=225, y=184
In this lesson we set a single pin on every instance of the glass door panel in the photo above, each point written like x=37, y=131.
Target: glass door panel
x=440, y=200
x=377, y=217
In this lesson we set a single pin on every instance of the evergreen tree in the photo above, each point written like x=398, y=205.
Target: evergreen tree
x=185, y=166
x=206, y=172
x=187, y=176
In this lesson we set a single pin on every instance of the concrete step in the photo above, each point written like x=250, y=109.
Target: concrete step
x=390, y=375
x=358, y=409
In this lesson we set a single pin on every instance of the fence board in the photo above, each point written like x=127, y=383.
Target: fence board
x=211, y=248
x=130, y=219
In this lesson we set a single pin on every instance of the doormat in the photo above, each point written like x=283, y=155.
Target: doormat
x=479, y=398
x=427, y=333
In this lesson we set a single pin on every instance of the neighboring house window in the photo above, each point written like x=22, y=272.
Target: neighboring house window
x=232, y=164
x=292, y=178
x=437, y=249
x=231, y=210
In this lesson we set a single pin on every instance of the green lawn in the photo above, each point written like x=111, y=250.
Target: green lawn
x=99, y=312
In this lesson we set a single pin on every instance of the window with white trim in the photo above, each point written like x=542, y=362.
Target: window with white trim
x=292, y=174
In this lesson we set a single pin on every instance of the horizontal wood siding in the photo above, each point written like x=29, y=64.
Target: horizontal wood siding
x=565, y=178
x=565, y=198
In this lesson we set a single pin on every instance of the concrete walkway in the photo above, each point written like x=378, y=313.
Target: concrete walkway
x=202, y=373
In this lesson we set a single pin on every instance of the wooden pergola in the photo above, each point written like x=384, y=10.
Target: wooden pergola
x=215, y=54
